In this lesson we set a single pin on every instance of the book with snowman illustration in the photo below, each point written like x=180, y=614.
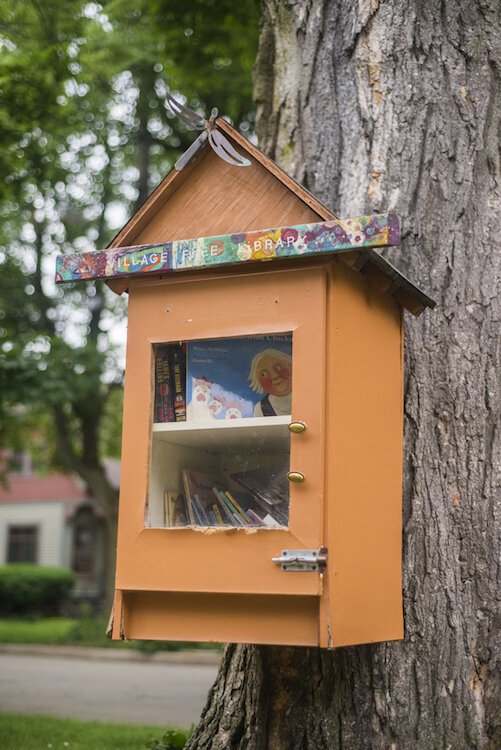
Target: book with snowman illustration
x=237, y=378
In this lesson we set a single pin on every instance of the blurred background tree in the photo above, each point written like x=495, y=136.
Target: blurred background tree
x=85, y=136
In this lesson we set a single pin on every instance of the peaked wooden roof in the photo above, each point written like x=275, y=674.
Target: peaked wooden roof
x=189, y=202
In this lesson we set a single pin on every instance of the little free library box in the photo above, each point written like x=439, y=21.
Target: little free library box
x=261, y=481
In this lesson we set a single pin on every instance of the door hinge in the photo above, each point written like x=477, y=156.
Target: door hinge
x=302, y=560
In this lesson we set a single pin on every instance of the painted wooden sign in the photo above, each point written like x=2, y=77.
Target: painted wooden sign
x=334, y=236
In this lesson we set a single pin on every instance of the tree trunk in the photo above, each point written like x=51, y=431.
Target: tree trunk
x=92, y=471
x=380, y=106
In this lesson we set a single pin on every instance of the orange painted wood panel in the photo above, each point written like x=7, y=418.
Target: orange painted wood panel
x=189, y=584
x=236, y=560
x=216, y=198
x=363, y=590
x=213, y=560
x=286, y=620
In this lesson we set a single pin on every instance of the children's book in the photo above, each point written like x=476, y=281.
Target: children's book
x=176, y=513
x=200, y=497
x=236, y=378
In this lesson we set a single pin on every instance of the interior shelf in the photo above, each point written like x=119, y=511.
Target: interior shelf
x=231, y=433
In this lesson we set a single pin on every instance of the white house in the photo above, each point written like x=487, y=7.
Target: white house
x=52, y=520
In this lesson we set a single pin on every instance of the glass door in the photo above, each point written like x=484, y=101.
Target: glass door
x=220, y=434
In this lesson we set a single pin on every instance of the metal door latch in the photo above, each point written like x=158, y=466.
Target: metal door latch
x=302, y=560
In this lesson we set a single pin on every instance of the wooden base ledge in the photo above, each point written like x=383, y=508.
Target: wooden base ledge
x=151, y=615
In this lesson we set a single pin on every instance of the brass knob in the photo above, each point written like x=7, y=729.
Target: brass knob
x=295, y=476
x=297, y=427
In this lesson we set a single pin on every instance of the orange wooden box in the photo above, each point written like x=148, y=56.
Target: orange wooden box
x=220, y=584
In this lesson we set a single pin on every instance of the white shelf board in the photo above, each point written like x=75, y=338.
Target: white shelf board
x=230, y=433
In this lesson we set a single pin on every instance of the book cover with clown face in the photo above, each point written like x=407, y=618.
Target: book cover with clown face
x=250, y=376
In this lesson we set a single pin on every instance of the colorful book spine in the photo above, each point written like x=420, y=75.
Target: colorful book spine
x=217, y=514
x=226, y=512
x=178, y=381
x=238, y=508
x=236, y=518
x=164, y=403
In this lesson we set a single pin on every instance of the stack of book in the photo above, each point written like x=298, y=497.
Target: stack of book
x=209, y=501
x=170, y=383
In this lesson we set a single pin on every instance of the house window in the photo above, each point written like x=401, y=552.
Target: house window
x=23, y=544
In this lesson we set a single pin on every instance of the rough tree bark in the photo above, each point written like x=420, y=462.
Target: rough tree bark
x=380, y=106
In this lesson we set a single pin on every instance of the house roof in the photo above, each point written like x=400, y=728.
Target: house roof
x=68, y=488
x=37, y=489
x=144, y=226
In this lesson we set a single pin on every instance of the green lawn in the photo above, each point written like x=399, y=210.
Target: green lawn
x=20, y=732
x=57, y=630
x=87, y=631
x=50, y=630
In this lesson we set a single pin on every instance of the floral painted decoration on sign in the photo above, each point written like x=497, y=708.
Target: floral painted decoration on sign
x=332, y=236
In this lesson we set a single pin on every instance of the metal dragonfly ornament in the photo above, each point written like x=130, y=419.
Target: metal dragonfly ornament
x=218, y=142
